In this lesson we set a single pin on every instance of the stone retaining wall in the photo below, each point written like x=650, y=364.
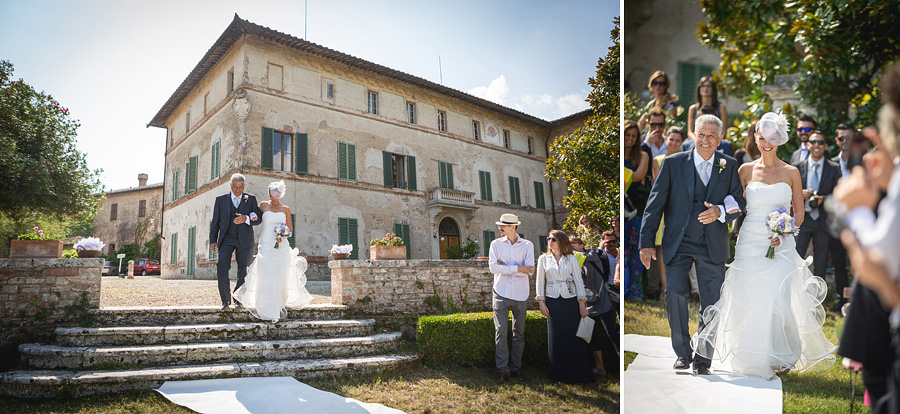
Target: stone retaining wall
x=413, y=287
x=35, y=294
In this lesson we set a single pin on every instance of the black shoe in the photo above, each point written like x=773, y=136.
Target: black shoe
x=504, y=377
x=837, y=306
x=701, y=370
x=224, y=306
x=682, y=363
x=519, y=376
x=238, y=305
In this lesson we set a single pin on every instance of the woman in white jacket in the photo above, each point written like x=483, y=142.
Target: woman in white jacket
x=561, y=297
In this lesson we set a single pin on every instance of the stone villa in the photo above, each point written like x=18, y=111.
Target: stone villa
x=124, y=211
x=364, y=150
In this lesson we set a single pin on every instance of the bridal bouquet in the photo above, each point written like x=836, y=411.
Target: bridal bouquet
x=780, y=223
x=281, y=230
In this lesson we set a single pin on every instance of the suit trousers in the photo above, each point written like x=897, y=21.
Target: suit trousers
x=710, y=275
x=815, y=232
x=839, y=261
x=242, y=255
x=507, y=362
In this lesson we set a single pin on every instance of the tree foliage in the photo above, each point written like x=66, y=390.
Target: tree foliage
x=41, y=170
x=838, y=49
x=588, y=158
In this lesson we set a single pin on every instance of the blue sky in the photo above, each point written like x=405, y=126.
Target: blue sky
x=115, y=63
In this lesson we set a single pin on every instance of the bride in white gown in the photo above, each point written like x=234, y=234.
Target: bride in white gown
x=276, y=279
x=769, y=317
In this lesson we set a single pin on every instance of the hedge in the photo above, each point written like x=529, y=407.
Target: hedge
x=468, y=338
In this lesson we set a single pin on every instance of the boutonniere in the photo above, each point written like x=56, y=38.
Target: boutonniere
x=721, y=164
x=245, y=197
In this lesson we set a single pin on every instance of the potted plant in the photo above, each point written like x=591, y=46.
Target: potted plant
x=36, y=244
x=389, y=247
x=89, y=247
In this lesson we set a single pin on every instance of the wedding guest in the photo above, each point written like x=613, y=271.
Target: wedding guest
x=609, y=244
x=656, y=275
x=588, y=230
x=635, y=201
x=707, y=95
x=654, y=141
x=668, y=102
x=511, y=260
x=596, y=271
x=561, y=298
x=805, y=127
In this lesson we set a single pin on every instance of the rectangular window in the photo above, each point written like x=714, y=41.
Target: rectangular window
x=191, y=175
x=488, y=236
x=192, y=251
x=215, y=155
x=187, y=122
x=542, y=241
x=329, y=90
x=689, y=74
x=411, y=112
x=230, y=81
x=113, y=212
x=175, y=177
x=402, y=231
x=173, y=257
x=484, y=181
x=476, y=130
x=282, y=151
x=505, y=139
x=530, y=145
x=539, y=195
x=142, y=208
x=442, y=121
x=205, y=99
x=372, y=103
x=514, y=195
x=347, y=234
x=445, y=173
x=346, y=161
x=394, y=170
x=276, y=77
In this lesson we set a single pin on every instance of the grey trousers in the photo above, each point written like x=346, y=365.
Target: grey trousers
x=502, y=307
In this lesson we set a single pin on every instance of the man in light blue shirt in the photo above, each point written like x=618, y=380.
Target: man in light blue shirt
x=511, y=262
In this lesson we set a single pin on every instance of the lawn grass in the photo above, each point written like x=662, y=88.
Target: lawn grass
x=809, y=392
x=414, y=389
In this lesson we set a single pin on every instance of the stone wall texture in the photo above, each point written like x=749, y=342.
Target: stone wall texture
x=407, y=287
x=34, y=294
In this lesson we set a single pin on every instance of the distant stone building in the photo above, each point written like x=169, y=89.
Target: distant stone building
x=125, y=211
x=364, y=150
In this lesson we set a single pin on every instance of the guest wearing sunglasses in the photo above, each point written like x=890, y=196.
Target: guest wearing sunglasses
x=805, y=127
x=662, y=99
x=561, y=298
x=842, y=138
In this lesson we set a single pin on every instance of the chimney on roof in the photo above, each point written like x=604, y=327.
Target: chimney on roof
x=142, y=180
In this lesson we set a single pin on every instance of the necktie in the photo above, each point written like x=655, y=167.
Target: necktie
x=235, y=201
x=704, y=172
x=814, y=185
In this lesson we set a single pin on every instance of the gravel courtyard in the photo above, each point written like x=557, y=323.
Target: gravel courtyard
x=153, y=291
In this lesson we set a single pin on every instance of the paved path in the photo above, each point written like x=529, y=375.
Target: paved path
x=153, y=291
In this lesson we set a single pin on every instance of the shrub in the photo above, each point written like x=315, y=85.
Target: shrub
x=69, y=254
x=468, y=338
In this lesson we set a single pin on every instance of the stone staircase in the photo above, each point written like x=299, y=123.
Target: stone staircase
x=140, y=348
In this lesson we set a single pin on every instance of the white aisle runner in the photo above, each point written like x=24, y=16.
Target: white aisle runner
x=652, y=386
x=262, y=395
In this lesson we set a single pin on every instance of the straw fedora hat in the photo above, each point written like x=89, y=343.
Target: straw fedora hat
x=508, y=220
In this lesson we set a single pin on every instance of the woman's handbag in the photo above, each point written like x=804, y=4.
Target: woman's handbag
x=585, y=329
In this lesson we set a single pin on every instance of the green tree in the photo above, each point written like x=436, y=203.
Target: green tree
x=838, y=49
x=42, y=172
x=588, y=158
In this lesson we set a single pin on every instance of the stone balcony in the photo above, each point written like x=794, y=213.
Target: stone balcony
x=443, y=197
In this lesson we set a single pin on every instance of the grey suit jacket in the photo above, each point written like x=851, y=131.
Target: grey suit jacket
x=672, y=194
x=219, y=223
x=831, y=173
x=797, y=156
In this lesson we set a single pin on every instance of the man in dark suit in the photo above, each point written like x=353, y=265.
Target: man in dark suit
x=805, y=127
x=691, y=191
x=842, y=138
x=819, y=176
x=230, y=232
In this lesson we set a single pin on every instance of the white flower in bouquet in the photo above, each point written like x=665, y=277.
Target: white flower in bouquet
x=281, y=230
x=89, y=243
x=345, y=249
x=779, y=223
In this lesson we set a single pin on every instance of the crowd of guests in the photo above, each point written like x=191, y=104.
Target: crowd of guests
x=851, y=200
x=575, y=282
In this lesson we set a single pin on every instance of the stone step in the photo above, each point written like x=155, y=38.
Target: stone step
x=237, y=331
x=48, y=384
x=62, y=357
x=180, y=315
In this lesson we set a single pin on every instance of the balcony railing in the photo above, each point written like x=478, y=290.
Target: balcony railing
x=451, y=198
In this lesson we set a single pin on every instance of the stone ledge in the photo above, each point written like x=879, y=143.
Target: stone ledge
x=51, y=263
x=339, y=264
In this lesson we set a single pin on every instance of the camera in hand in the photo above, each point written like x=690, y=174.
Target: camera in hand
x=813, y=201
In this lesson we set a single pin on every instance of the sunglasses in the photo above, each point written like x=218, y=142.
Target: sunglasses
x=658, y=83
x=612, y=242
x=804, y=129
x=658, y=124
x=816, y=142
x=553, y=239
x=706, y=86
x=839, y=138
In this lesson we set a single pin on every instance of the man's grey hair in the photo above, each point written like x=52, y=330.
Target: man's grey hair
x=708, y=119
x=237, y=177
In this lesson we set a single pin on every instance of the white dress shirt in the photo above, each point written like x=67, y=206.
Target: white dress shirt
x=698, y=161
x=559, y=280
x=845, y=169
x=508, y=281
x=656, y=151
x=236, y=201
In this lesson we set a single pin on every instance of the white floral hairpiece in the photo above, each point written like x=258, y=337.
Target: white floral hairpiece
x=782, y=121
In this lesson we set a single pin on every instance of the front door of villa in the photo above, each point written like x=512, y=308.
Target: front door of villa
x=448, y=235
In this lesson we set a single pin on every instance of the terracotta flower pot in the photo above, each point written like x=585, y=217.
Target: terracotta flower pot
x=387, y=252
x=88, y=253
x=36, y=249
x=340, y=256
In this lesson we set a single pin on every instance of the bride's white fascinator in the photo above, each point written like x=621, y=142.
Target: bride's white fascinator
x=277, y=189
x=773, y=128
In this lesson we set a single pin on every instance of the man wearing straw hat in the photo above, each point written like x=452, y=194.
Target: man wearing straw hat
x=511, y=262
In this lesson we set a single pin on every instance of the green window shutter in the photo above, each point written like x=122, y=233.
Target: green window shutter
x=351, y=162
x=343, y=232
x=449, y=176
x=214, y=160
x=689, y=74
x=342, y=161
x=347, y=229
x=488, y=237
x=539, y=195
x=192, y=177
x=485, y=184
x=515, y=197
x=442, y=175
x=301, y=153
x=402, y=230
x=173, y=258
x=191, y=255
x=388, y=167
x=265, y=160
x=175, y=185
x=542, y=240
x=187, y=177
x=292, y=238
x=411, y=173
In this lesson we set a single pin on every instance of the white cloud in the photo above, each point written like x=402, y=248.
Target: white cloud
x=544, y=106
x=496, y=92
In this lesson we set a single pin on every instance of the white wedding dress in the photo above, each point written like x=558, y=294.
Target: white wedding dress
x=276, y=279
x=769, y=316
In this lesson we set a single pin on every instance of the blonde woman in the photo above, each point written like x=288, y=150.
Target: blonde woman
x=659, y=84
